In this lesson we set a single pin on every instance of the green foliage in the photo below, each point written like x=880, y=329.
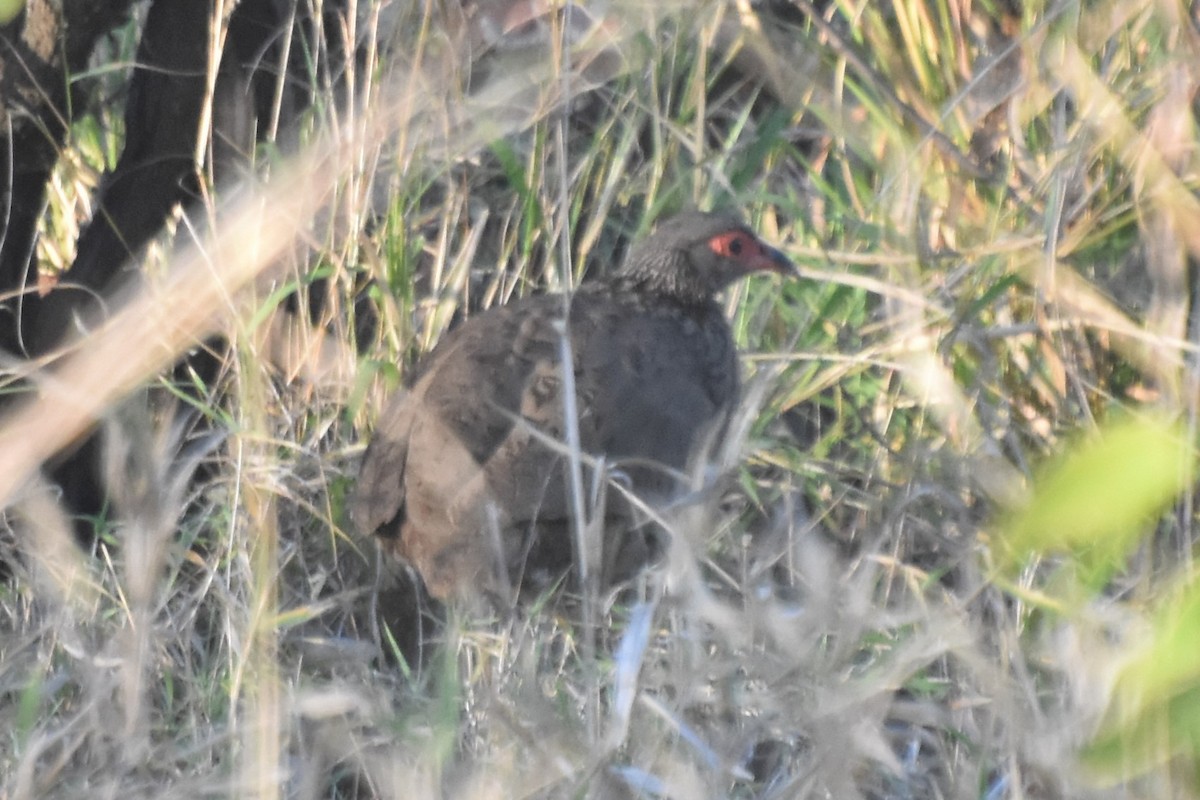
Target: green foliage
x=1093, y=506
x=1154, y=714
x=1091, y=509
x=1097, y=502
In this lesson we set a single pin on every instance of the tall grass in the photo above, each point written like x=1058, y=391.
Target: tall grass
x=994, y=213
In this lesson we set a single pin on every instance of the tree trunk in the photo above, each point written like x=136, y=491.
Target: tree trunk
x=44, y=45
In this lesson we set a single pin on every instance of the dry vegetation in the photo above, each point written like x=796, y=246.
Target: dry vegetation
x=995, y=214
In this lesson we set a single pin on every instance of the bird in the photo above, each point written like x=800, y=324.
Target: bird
x=464, y=479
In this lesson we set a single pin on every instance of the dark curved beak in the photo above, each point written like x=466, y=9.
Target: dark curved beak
x=775, y=261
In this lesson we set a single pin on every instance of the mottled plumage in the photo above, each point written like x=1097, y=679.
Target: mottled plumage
x=458, y=478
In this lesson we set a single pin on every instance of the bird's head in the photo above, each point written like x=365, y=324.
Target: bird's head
x=694, y=255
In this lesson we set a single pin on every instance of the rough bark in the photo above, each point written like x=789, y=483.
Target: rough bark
x=45, y=44
x=265, y=64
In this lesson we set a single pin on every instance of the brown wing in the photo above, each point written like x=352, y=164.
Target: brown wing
x=466, y=385
x=476, y=379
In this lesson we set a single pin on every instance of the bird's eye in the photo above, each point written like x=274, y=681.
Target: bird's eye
x=729, y=245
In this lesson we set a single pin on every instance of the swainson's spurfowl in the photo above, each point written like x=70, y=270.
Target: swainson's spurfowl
x=463, y=479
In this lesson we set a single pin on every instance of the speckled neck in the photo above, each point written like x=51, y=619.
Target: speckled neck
x=663, y=273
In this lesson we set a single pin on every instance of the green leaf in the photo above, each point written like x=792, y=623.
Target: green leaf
x=1154, y=714
x=9, y=9
x=1097, y=500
